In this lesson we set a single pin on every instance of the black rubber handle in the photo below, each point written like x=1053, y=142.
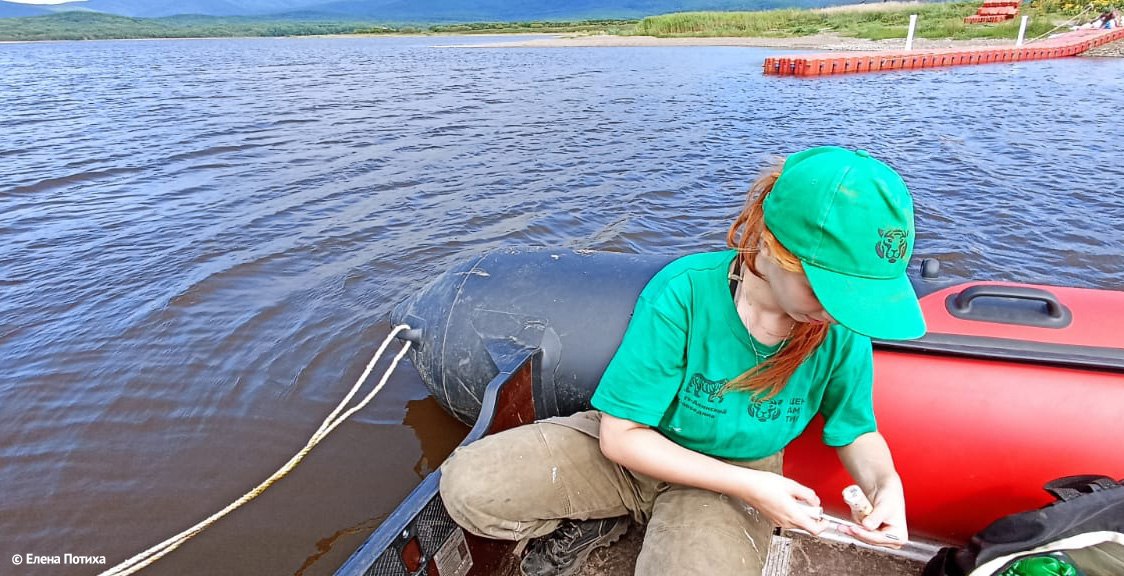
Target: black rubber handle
x=963, y=301
x=1044, y=311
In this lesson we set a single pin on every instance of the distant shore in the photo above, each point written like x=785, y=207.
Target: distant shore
x=825, y=42
x=870, y=26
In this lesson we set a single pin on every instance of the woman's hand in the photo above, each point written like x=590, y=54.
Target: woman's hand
x=885, y=525
x=868, y=461
x=786, y=502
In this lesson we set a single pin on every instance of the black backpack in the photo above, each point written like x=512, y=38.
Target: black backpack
x=1082, y=532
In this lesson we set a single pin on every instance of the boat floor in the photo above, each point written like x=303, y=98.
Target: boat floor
x=810, y=556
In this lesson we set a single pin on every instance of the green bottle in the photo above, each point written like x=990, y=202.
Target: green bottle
x=1055, y=564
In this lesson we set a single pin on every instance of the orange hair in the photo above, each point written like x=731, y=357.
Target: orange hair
x=746, y=234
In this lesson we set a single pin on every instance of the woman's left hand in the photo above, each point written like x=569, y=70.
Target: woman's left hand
x=868, y=461
x=885, y=525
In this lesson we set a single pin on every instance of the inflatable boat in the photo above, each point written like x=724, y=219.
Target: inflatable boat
x=1013, y=385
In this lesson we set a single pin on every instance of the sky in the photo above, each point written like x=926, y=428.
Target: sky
x=42, y=1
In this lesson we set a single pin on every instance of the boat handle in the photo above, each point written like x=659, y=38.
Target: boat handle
x=963, y=302
x=1057, y=314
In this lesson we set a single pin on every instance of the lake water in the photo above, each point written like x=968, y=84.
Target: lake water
x=200, y=242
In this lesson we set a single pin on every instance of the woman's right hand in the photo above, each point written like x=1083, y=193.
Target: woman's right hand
x=788, y=503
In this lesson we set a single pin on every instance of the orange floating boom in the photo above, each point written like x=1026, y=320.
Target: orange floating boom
x=994, y=11
x=1062, y=46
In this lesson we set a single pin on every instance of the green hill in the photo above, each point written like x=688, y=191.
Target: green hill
x=937, y=20
x=433, y=11
x=426, y=10
x=94, y=26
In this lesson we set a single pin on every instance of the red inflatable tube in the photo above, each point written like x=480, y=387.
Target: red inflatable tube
x=975, y=435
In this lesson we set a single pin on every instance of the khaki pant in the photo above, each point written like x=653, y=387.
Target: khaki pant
x=521, y=482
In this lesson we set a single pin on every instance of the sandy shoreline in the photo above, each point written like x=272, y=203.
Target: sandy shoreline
x=825, y=42
x=814, y=42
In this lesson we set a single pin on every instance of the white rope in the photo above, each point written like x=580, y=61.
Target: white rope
x=140, y=561
x=1060, y=26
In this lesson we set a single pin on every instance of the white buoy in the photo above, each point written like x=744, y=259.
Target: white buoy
x=1022, y=32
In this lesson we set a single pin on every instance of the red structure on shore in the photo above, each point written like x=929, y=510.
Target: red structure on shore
x=1069, y=44
x=994, y=11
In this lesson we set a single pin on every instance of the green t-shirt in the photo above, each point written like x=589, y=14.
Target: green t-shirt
x=686, y=340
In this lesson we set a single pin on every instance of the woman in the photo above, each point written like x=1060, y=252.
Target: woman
x=727, y=358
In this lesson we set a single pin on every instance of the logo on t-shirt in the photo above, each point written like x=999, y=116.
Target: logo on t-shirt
x=766, y=410
x=700, y=385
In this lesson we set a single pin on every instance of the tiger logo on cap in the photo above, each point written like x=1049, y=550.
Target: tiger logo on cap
x=892, y=245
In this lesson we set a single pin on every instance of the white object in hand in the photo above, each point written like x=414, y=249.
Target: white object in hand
x=857, y=500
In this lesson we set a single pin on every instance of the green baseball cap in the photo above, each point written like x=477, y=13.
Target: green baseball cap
x=849, y=219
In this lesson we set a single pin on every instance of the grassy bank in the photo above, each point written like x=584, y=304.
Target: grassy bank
x=94, y=26
x=940, y=20
x=583, y=26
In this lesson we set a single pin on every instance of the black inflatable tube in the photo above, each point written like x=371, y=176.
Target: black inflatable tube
x=573, y=304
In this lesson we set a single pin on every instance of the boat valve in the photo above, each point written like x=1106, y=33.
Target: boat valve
x=412, y=335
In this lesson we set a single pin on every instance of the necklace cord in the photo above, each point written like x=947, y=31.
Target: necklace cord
x=735, y=293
